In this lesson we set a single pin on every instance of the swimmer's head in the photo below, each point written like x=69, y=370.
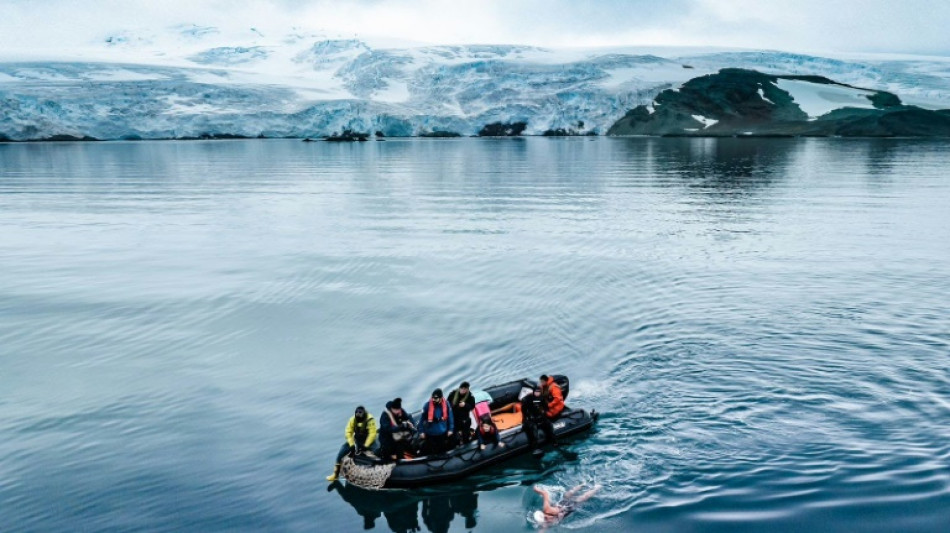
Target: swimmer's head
x=538, y=517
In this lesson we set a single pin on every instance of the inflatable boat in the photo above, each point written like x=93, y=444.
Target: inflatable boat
x=466, y=459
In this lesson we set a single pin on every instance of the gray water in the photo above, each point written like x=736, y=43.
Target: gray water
x=185, y=328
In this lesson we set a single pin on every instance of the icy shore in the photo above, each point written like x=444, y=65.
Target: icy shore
x=312, y=88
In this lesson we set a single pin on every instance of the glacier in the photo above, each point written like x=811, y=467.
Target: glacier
x=310, y=86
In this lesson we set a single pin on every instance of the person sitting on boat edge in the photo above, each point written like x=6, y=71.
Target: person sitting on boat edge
x=360, y=436
x=395, y=431
x=487, y=433
x=462, y=404
x=435, y=424
x=533, y=418
x=553, y=396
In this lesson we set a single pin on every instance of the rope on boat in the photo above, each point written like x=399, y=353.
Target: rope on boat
x=461, y=455
x=367, y=477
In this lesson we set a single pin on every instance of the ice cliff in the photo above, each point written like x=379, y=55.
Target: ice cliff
x=308, y=86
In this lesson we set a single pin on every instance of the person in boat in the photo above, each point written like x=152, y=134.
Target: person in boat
x=534, y=418
x=462, y=403
x=553, y=396
x=395, y=431
x=435, y=424
x=482, y=403
x=360, y=437
x=552, y=514
x=487, y=433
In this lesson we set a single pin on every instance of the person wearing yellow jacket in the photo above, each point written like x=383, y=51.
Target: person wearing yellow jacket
x=360, y=438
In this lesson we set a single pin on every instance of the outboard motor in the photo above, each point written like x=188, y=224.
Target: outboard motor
x=562, y=382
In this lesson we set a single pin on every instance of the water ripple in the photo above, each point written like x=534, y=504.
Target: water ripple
x=185, y=327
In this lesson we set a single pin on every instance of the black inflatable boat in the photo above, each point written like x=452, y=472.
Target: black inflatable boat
x=467, y=459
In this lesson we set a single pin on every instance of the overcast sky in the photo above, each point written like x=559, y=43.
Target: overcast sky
x=908, y=26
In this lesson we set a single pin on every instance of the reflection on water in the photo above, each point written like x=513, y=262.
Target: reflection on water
x=401, y=508
x=185, y=328
x=728, y=164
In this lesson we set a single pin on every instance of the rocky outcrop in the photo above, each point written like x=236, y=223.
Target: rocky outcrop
x=348, y=135
x=502, y=129
x=738, y=102
x=440, y=134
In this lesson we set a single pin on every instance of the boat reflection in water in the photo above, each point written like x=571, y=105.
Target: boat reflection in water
x=401, y=509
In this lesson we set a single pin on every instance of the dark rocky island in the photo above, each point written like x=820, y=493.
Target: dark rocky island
x=738, y=102
x=440, y=134
x=348, y=135
x=569, y=132
x=502, y=129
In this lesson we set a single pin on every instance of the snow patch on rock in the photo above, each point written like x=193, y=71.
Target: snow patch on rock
x=817, y=99
x=706, y=122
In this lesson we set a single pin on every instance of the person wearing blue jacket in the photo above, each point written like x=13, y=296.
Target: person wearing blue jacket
x=436, y=424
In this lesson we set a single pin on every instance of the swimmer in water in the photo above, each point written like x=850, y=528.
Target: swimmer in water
x=550, y=515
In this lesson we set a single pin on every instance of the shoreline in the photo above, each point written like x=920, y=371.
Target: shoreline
x=308, y=140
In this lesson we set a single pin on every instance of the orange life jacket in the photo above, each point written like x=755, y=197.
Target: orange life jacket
x=554, y=398
x=445, y=411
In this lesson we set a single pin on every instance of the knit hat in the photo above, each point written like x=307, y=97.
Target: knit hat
x=397, y=403
x=464, y=385
x=437, y=393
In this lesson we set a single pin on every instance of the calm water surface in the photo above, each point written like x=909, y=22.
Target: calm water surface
x=185, y=328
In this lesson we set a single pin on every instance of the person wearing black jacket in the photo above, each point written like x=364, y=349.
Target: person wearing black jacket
x=533, y=409
x=395, y=431
x=462, y=404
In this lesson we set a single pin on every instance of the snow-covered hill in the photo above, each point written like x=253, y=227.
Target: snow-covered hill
x=740, y=102
x=298, y=85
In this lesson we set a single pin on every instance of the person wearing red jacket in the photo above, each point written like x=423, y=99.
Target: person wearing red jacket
x=553, y=396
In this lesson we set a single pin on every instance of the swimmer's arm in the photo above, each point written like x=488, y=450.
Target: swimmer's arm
x=587, y=495
x=548, y=509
